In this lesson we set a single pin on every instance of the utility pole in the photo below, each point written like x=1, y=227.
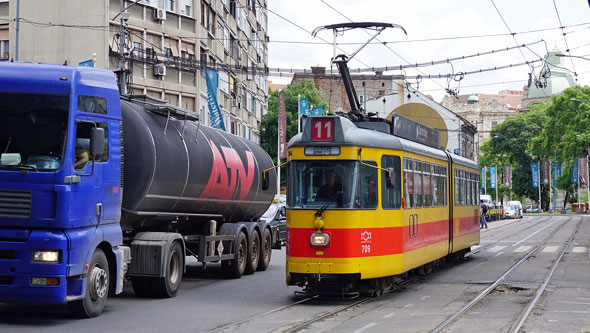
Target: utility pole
x=17, y=29
x=122, y=70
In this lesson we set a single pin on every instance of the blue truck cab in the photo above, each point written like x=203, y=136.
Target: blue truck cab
x=60, y=185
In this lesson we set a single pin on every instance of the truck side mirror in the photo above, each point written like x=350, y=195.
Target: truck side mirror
x=265, y=181
x=96, y=141
x=390, y=178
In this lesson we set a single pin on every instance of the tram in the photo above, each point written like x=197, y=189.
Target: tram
x=395, y=206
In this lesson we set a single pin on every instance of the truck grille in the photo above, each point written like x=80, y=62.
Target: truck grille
x=15, y=204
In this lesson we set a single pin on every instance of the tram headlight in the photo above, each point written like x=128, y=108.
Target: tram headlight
x=320, y=239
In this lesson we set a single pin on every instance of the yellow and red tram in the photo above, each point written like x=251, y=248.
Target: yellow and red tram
x=399, y=205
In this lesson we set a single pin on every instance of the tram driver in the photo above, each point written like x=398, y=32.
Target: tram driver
x=330, y=188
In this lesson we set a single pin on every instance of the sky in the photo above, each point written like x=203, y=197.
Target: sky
x=436, y=30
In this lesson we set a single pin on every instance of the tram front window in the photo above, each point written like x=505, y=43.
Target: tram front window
x=316, y=183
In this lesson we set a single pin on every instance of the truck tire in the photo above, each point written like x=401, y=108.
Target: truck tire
x=167, y=286
x=235, y=268
x=97, y=288
x=253, y=253
x=265, y=250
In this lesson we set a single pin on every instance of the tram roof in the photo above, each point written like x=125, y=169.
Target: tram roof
x=348, y=134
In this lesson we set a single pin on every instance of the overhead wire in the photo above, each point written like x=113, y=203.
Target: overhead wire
x=565, y=39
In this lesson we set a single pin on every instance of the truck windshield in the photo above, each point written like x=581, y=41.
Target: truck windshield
x=32, y=130
x=312, y=184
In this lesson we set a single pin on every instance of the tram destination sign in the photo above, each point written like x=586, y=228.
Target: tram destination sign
x=413, y=131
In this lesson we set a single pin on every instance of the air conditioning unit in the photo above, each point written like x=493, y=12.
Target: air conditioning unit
x=159, y=70
x=159, y=14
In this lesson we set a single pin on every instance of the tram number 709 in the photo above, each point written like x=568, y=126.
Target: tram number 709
x=366, y=248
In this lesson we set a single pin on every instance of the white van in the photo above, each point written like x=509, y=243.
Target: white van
x=487, y=199
x=517, y=204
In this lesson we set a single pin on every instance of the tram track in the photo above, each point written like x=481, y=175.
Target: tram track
x=499, y=281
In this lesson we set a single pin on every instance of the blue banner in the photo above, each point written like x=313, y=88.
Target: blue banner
x=493, y=177
x=215, y=118
x=318, y=111
x=483, y=178
x=575, y=173
x=535, y=174
x=86, y=63
x=303, y=106
x=556, y=171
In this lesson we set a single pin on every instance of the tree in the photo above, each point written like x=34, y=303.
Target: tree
x=510, y=144
x=566, y=134
x=269, y=132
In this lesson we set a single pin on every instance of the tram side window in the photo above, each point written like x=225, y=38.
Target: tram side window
x=408, y=183
x=463, y=188
x=426, y=188
x=469, y=188
x=443, y=186
x=417, y=184
x=368, y=185
x=434, y=185
x=391, y=197
x=457, y=187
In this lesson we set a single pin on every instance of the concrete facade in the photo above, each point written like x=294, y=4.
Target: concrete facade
x=180, y=37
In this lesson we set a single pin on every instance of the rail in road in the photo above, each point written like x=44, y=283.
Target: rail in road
x=522, y=317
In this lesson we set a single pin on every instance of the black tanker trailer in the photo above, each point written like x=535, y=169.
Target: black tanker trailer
x=193, y=185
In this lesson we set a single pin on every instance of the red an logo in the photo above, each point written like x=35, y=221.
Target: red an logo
x=225, y=174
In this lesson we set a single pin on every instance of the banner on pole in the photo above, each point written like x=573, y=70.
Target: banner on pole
x=483, y=177
x=583, y=169
x=493, y=177
x=546, y=175
x=317, y=111
x=282, y=127
x=556, y=172
x=535, y=174
x=304, y=106
x=574, y=173
x=216, y=120
x=508, y=176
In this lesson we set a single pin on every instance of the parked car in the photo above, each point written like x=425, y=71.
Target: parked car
x=276, y=215
x=516, y=203
x=513, y=212
x=531, y=209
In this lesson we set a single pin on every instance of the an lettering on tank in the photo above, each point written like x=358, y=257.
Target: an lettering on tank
x=225, y=173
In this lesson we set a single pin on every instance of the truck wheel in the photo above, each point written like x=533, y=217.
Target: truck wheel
x=235, y=268
x=265, y=250
x=167, y=286
x=253, y=253
x=97, y=288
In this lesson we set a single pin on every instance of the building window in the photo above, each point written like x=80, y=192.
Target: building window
x=170, y=5
x=494, y=123
x=4, y=50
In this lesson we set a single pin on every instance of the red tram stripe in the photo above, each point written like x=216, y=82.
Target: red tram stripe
x=368, y=242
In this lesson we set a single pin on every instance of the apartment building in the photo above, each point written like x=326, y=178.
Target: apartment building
x=168, y=45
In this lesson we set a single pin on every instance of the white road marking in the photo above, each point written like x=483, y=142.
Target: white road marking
x=580, y=249
x=534, y=233
x=580, y=312
x=499, y=254
x=411, y=305
x=425, y=297
x=497, y=248
x=523, y=249
x=390, y=315
x=550, y=248
x=364, y=328
x=574, y=302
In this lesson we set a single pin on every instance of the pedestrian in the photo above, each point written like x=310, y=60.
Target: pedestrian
x=483, y=210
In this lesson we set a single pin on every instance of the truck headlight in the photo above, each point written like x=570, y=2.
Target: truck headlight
x=321, y=239
x=47, y=256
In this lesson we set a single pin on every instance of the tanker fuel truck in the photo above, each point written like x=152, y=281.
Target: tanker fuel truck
x=97, y=189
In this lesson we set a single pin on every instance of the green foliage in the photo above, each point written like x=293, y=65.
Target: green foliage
x=270, y=127
x=510, y=144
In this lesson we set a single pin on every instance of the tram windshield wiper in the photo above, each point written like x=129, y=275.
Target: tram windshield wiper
x=323, y=208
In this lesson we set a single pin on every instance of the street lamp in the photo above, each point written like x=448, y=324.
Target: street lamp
x=587, y=172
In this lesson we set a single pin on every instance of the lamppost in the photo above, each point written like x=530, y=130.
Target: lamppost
x=587, y=171
x=496, y=174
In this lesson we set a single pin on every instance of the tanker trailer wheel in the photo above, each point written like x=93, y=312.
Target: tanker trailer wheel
x=167, y=286
x=265, y=250
x=235, y=268
x=253, y=253
x=97, y=288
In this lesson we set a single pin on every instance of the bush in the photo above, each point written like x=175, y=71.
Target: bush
x=573, y=200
